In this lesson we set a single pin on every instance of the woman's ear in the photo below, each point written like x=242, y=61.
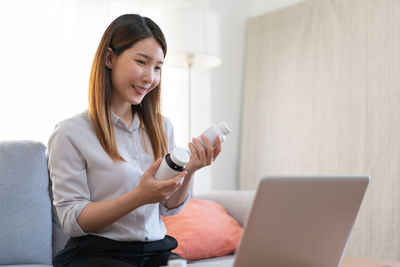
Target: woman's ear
x=109, y=58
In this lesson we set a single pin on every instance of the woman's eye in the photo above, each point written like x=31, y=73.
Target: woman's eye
x=157, y=68
x=141, y=62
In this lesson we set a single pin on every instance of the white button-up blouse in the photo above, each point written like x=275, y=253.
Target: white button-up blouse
x=82, y=172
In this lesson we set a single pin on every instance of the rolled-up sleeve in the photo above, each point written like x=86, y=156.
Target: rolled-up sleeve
x=164, y=211
x=69, y=180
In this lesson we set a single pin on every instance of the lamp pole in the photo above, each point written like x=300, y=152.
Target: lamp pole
x=189, y=64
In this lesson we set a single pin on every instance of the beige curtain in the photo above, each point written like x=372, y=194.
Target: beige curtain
x=322, y=97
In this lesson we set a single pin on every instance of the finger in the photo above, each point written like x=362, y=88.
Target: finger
x=192, y=149
x=170, y=190
x=154, y=167
x=167, y=187
x=200, y=149
x=217, y=147
x=193, y=157
x=172, y=183
x=209, y=147
x=180, y=177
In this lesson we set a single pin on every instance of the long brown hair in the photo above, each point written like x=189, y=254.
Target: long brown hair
x=122, y=33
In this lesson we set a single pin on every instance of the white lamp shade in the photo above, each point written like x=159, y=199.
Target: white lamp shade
x=192, y=32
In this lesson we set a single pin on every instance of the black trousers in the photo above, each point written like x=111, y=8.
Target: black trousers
x=99, y=251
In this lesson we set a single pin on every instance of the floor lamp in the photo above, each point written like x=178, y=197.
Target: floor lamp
x=193, y=42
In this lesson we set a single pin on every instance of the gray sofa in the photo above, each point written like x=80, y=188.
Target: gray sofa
x=30, y=232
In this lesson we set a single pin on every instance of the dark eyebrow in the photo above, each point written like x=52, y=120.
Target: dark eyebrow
x=148, y=57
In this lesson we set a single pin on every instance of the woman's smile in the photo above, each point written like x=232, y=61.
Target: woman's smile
x=138, y=90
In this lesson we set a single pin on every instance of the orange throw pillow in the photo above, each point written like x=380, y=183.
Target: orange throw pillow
x=203, y=229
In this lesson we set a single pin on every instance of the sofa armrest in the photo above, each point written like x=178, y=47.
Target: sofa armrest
x=236, y=202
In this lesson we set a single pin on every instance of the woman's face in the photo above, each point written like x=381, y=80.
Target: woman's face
x=135, y=72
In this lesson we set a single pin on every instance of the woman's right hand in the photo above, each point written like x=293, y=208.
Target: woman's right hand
x=97, y=215
x=152, y=190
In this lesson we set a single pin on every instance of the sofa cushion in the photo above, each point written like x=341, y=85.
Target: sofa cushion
x=236, y=202
x=203, y=230
x=25, y=208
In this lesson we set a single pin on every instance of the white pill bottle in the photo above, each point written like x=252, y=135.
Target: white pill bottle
x=220, y=129
x=172, y=164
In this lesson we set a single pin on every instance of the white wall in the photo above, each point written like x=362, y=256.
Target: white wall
x=227, y=80
x=226, y=88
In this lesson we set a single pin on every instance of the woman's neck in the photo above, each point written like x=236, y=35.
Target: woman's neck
x=124, y=113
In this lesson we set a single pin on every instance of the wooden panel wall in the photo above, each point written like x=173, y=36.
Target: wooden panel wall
x=322, y=97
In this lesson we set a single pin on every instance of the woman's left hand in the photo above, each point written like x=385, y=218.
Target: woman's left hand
x=201, y=156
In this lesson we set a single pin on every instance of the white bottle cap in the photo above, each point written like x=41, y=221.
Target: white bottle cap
x=224, y=128
x=180, y=156
x=177, y=263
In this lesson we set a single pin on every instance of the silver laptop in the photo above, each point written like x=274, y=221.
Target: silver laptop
x=298, y=222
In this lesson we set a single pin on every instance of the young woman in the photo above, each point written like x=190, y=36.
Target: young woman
x=102, y=162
